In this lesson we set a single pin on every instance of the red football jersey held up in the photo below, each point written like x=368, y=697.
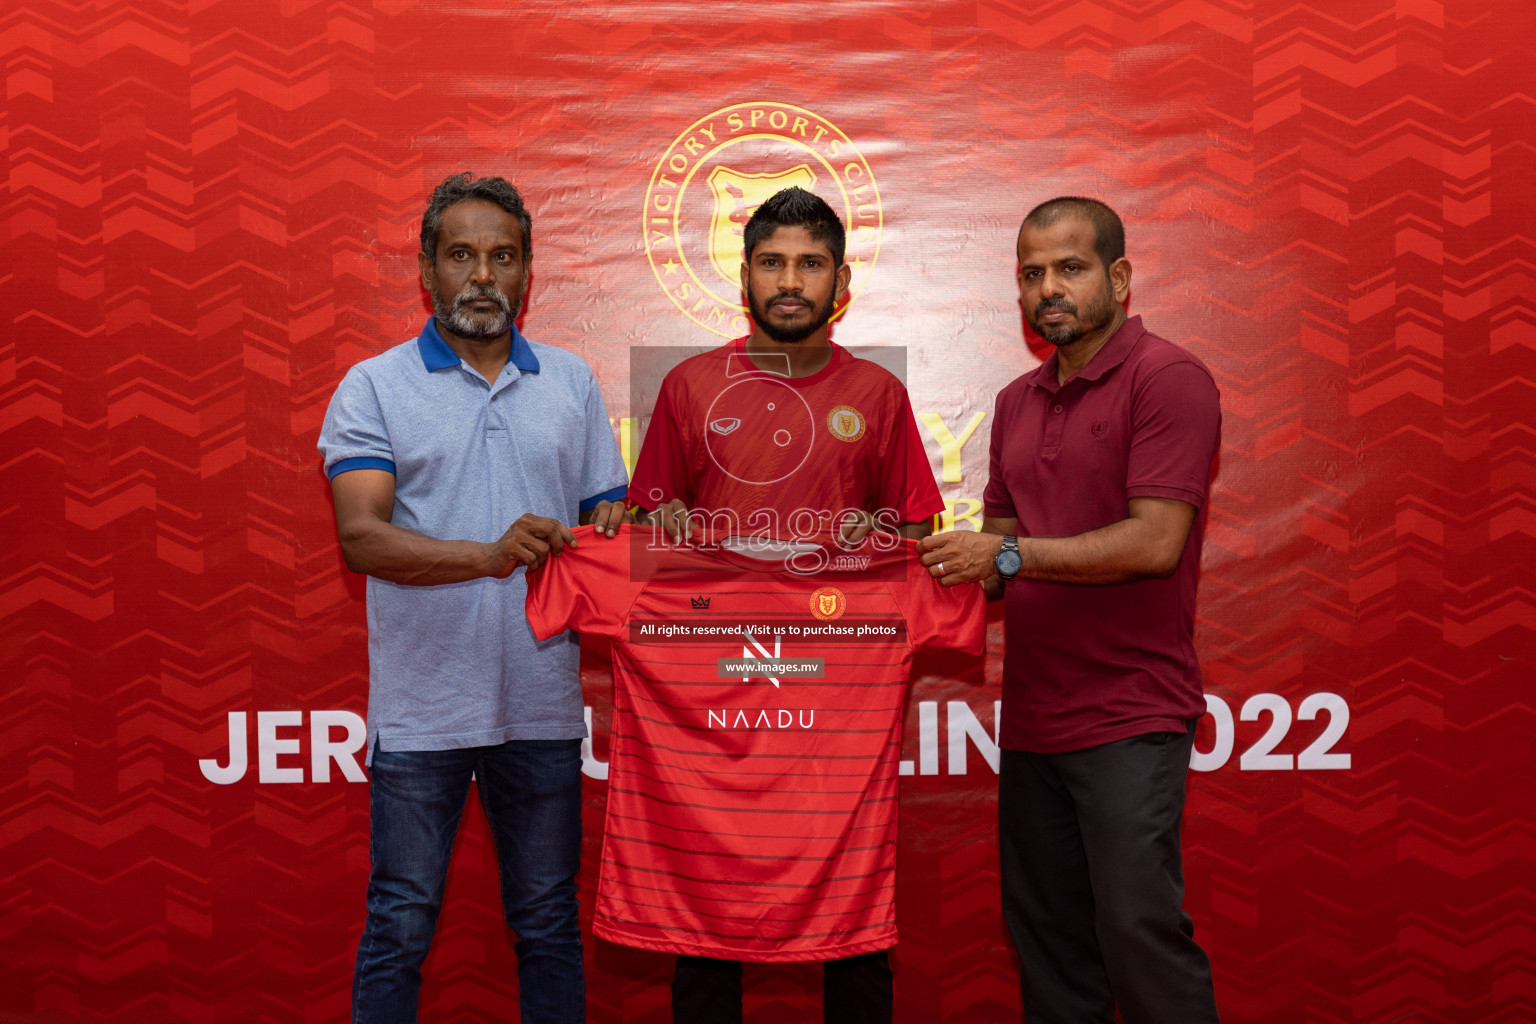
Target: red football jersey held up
x=753, y=759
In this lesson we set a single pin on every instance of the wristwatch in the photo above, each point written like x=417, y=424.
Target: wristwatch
x=1008, y=561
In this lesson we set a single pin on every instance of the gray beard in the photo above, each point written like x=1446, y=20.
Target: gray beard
x=476, y=327
x=1059, y=336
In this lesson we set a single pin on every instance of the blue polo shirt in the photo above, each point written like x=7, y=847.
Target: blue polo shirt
x=456, y=665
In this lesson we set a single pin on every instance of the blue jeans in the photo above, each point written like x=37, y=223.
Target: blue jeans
x=531, y=793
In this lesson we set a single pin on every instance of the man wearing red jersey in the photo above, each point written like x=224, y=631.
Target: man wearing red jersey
x=784, y=433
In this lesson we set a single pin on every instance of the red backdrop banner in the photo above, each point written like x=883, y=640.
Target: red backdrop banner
x=213, y=210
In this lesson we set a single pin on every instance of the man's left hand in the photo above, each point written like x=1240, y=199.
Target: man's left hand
x=606, y=516
x=960, y=556
x=856, y=525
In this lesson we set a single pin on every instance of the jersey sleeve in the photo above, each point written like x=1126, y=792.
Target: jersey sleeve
x=661, y=471
x=940, y=616
x=354, y=435
x=907, y=483
x=1175, y=432
x=586, y=588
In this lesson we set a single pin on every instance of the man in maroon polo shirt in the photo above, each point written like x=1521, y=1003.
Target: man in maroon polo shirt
x=1094, y=514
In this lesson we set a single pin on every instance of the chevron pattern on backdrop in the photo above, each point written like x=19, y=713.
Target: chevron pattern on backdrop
x=212, y=210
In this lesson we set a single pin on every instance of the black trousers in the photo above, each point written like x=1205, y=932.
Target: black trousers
x=1093, y=884
x=855, y=990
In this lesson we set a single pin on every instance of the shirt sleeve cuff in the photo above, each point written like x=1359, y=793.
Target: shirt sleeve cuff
x=612, y=494
x=362, y=462
x=1185, y=494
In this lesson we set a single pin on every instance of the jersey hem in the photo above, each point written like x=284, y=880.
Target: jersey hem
x=832, y=952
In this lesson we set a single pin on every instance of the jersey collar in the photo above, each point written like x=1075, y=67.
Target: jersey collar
x=741, y=364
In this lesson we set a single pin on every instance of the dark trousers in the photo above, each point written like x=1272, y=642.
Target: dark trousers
x=855, y=990
x=531, y=793
x=1093, y=884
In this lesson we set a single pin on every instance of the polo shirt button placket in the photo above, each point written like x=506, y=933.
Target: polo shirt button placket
x=1054, y=428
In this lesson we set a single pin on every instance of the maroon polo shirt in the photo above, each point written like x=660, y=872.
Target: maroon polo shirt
x=1087, y=665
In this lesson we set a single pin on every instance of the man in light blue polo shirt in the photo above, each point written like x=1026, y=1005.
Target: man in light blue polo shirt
x=455, y=460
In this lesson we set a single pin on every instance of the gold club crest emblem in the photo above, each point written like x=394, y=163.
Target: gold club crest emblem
x=828, y=603
x=717, y=173
x=737, y=195
x=845, y=423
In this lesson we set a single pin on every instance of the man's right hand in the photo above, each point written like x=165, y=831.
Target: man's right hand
x=672, y=519
x=528, y=541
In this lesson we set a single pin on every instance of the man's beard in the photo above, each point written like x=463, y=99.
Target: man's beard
x=476, y=326
x=819, y=318
x=1101, y=310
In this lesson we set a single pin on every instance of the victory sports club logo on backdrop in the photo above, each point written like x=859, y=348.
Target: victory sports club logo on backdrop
x=713, y=177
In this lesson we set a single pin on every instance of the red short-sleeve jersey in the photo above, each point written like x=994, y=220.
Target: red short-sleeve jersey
x=727, y=434
x=753, y=759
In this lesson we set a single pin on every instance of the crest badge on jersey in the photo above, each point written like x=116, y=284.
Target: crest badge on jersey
x=846, y=423
x=828, y=603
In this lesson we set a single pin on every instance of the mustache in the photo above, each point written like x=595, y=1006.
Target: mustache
x=1061, y=304
x=475, y=292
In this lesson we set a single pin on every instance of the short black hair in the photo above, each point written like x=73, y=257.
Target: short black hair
x=464, y=187
x=794, y=207
x=1108, y=231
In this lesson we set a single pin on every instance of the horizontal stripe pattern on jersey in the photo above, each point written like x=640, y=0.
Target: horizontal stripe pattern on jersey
x=752, y=815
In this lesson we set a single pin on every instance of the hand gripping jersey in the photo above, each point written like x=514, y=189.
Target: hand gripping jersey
x=753, y=759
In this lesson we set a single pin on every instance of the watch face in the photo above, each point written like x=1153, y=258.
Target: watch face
x=1008, y=563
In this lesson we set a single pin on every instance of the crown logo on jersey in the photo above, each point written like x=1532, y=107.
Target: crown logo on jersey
x=701, y=602
x=828, y=603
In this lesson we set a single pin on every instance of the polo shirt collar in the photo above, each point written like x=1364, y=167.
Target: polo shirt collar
x=1105, y=359
x=436, y=355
